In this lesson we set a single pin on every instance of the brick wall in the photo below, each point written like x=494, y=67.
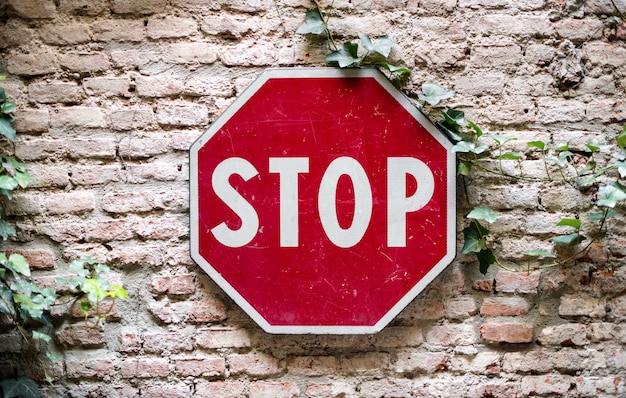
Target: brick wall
x=111, y=94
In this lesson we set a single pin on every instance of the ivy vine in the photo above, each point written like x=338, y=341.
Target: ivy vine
x=598, y=170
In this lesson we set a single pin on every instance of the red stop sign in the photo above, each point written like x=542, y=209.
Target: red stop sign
x=322, y=201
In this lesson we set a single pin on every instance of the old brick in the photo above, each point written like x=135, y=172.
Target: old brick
x=528, y=362
x=144, y=367
x=84, y=62
x=542, y=385
x=249, y=54
x=77, y=116
x=581, y=305
x=41, y=63
x=38, y=259
x=208, y=311
x=371, y=361
x=452, y=334
x=420, y=362
x=135, y=118
x=108, y=86
x=169, y=390
x=92, y=147
x=517, y=282
x=32, y=9
x=504, y=306
x=150, y=255
x=226, y=26
x=209, y=85
x=564, y=335
x=595, y=386
x=506, y=333
x=174, y=284
x=487, y=363
x=104, y=230
x=424, y=308
x=176, y=114
x=64, y=34
x=48, y=93
x=171, y=26
x=118, y=30
x=69, y=202
x=205, y=366
x=223, y=389
x=129, y=202
x=604, y=331
x=503, y=56
x=513, y=25
x=94, y=175
x=602, y=53
x=496, y=389
x=83, y=7
x=485, y=285
x=399, y=336
x=154, y=171
x=136, y=147
x=569, y=360
x=274, y=389
x=166, y=343
x=311, y=365
x=134, y=59
x=31, y=121
x=253, y=364
x=191, y=53
x=134, y=7
x=83, y=334
x=130, y=341
x=158, y=86
x=222, y=338
x=93, y=367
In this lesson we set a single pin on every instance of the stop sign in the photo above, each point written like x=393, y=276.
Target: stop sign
x=322, y=201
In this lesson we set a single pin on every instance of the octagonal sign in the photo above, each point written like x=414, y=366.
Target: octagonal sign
x=322, y=201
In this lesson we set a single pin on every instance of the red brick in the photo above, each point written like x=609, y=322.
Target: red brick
x=149, y=255
x=517, y=282
x=130, y=342
x=160, y=228
x=209, y=366
x=77, y=367
x=144, y=367
x=452, y=334
x=38, y=259
x=174, y=284
x=222, y=338
x=168, y=390
x=254, y=364
x=222, y=389
x=504, y=306
x=273, y=389
x=84, y=62
x=31, y=121
x=420, y=362
x=506, y=333
x=107, y=230
x=166, y=342
x=208, y=311
x=312, y=365
x=84, y=334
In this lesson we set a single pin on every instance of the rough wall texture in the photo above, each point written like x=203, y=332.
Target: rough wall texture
x=111, y=94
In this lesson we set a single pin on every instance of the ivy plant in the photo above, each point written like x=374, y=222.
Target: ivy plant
x=586, y=170
x=24, y=303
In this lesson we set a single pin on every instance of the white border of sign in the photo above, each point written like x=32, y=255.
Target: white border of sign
x=321, y=73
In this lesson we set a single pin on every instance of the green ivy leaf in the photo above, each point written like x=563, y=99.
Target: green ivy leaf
x=395, y=69
x=465, y=147
x=382, y=45
x=570, y=240
x=94, y=289
x=475, y=127
x=6, y=230
x=434, y=93
x=7, y=305
x=464, y=169
x=117, y=291
x=621, y=138
x=500, y=139
x=41, y=336
x=345, y=56
x=475, y=238
x=610, y=195
x=569, y=222
x=6, y=129
x=7, y=107
x=600, y=215
x=540, y=253
x=19, y=264
x=85, y=307
x=451, y=134
x=22, y=179
x=562, y=146
x=595, y=146
x=21, y=387
x=537, y=144
x=485, y=259
x=313, y=23
x=7, y=182
x=483, y=213
x=510, y=156
x=455, y=117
